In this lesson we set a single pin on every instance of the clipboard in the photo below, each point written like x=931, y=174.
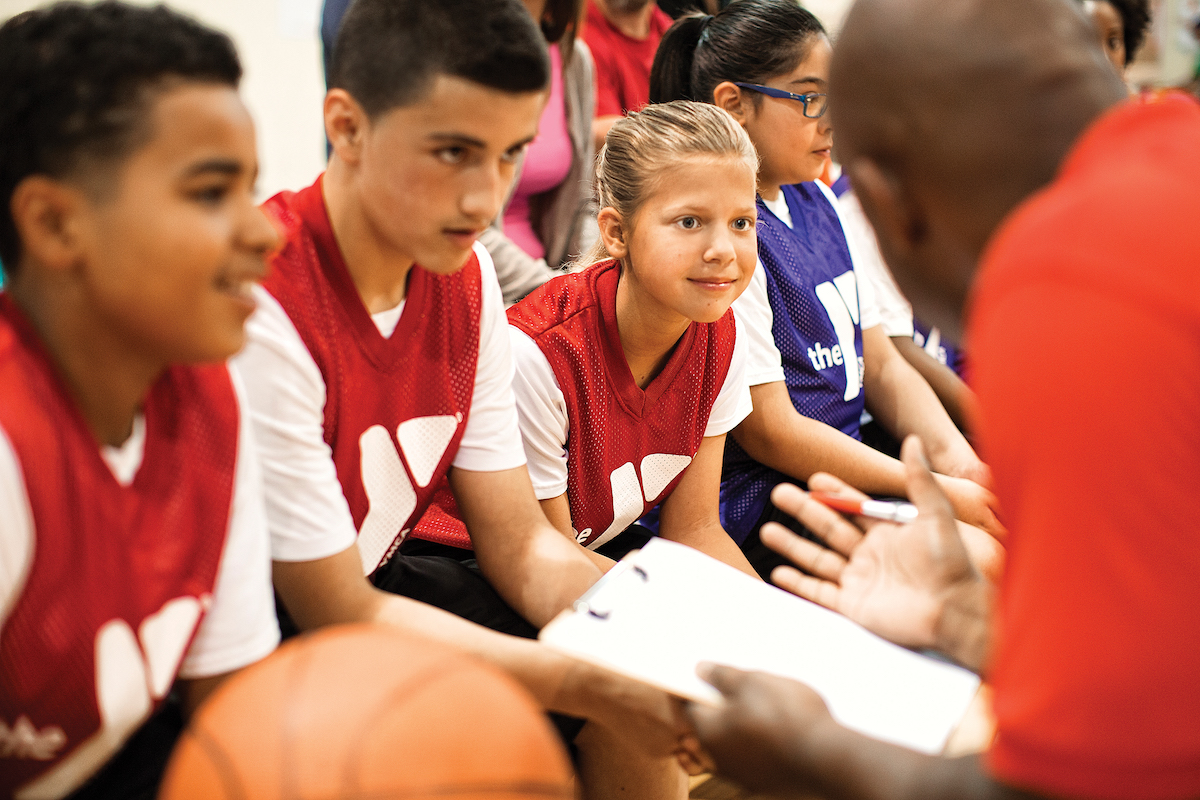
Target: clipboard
x=667, y=607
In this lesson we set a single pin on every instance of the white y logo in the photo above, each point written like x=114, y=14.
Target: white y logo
x=129, y=678
x=840, y=298
x=391, y=498
x=658, y=470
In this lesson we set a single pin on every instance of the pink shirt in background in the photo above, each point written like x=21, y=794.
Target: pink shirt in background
x=547, y=162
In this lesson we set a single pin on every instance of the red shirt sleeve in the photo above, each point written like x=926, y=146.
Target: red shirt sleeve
x=1089, y=392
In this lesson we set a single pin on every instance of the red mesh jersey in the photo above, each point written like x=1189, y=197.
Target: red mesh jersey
x=120, y=576
x=627, y=448
x=395, y=408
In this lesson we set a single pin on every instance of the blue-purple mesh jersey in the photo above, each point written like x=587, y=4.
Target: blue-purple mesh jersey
x=945, y=351
x=813, y=294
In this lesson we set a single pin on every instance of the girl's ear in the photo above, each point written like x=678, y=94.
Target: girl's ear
x=612, y=232
x=729, y=97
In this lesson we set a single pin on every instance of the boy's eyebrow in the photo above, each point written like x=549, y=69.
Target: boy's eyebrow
x=224, y=166
x=458, y=138
x=470, y=141
x=817, y=81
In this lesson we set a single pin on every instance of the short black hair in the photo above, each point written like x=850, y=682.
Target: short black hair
x=388, y=52
x=76, y=80
x=749, y=41
x=1135, y=19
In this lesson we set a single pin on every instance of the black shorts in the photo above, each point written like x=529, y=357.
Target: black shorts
x=136, y=770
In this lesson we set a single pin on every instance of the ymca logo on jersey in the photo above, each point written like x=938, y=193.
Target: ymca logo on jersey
x=133, y=671
x=840, y=300
x=391, y=497
x=630, y=497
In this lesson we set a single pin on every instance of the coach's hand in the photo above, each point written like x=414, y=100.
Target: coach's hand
x=763, y=734
x=913, y=584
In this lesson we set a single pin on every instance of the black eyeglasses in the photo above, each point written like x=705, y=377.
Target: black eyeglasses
x=815, y=103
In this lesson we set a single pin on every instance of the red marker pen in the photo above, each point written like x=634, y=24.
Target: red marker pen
x=887, y=510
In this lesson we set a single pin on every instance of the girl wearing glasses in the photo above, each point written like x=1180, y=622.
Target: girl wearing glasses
x=818, y=353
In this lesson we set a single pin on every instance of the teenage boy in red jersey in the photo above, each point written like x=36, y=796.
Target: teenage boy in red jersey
x=1091, y=646
x=133, y=544
x=379, y=366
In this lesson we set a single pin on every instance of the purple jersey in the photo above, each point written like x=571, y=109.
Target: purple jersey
x=944, y=350
x=813, y=293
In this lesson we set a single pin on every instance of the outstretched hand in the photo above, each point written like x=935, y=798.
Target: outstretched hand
x=906, y=583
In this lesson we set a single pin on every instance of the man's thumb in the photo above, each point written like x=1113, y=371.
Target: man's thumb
x=923, y=489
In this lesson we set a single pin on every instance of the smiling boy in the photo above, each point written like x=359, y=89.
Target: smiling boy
x=379, y=366
x=133, y=546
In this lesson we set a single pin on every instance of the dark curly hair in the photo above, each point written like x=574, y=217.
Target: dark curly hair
x=1135, y=19
x=388, y=52
x=76, y=81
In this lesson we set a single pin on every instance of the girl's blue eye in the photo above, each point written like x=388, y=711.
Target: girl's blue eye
x=743, y=224
x=689, y=223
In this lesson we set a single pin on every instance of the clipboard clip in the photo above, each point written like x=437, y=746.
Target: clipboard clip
x=582, y=606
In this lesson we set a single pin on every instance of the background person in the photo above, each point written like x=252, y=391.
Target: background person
x=549, y=219
x=623, y=36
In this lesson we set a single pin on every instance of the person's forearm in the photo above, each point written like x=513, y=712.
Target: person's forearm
x=843, y=765
x=536, y=569
x=543, y=576
x=712, y=540
x=949, y=388
x=800, y=447
x=557, y=682
x=905, y=404
x=539, y=670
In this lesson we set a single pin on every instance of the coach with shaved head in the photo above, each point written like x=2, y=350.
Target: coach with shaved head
x=1011, y=181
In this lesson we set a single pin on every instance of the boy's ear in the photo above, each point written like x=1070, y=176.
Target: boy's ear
x=49, y=217
x=732, y=99
x=345, y=124
x=612, y=232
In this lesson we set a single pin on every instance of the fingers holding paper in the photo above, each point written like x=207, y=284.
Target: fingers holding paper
x=760, y=735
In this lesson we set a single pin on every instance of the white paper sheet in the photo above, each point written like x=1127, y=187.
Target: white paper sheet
x=663, y=610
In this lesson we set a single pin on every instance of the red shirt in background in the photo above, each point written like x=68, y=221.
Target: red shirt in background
x=1085, y=336
x=622, y=63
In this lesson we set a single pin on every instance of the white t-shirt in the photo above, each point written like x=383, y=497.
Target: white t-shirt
x=308, y=514
x=753, y=308
x=240, y=626
x=542, y=410
x=895, y=312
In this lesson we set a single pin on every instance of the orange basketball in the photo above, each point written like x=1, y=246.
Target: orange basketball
x=365, y=711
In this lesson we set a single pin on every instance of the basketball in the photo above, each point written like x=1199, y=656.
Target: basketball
x=366, y=711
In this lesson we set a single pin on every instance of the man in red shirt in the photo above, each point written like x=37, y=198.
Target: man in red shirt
x=1018, y=155
x=623, y=36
